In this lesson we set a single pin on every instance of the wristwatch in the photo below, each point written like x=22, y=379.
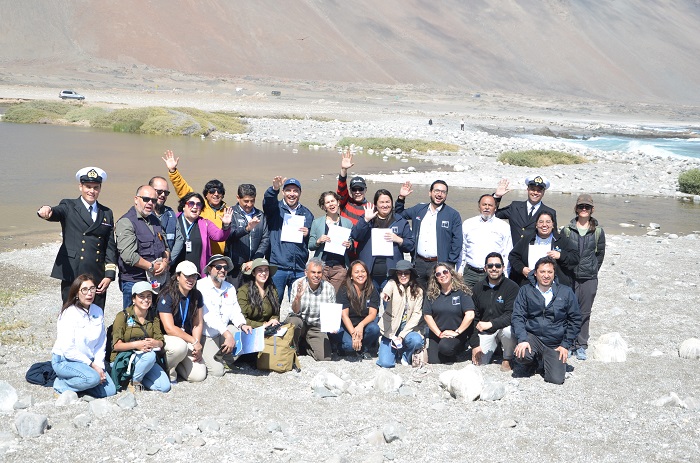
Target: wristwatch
x=151, y=268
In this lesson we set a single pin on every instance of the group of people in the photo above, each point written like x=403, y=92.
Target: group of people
x=191, y=279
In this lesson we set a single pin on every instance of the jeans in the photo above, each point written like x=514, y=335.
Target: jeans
x=80, y=377
x=369, y=338
x=126, y=286
x=283, y=279
x=149, y=373
x=389, y=356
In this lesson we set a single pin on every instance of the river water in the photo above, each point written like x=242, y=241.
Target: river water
x=39, y=163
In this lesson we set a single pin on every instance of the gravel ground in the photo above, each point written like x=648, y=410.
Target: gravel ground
x=603, y=412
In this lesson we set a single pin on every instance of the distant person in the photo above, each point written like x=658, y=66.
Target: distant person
x=78, y=355
x=402, y=320
x=430, y=122
x=589, y=238
x=546, y=320
x=288, y=256
x=308, y=293
x=461, y=124
x=482, y=235
x=167, y=217
x=336, y=267
x=395, y=229
x=87, y=228
x=521, y=214
x=559, y=248
x=141, y=244
x=214, y=192
x=437, y=229
x=250, y=236
x=448, y=311
x=493, y=298
x=352, y=196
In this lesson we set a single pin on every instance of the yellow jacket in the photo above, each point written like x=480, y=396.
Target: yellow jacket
x=181, y=189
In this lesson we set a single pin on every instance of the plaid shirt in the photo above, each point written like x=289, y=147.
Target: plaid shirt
x=310, y=304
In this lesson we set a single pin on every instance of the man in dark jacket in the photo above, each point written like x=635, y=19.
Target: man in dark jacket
x=289, y=256
x=88, y=236
x=522, y=215
x=441, y=239
x=249, y=238
x=493, y=306
x=546, y=320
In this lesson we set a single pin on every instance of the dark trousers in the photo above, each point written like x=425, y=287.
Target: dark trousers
x=470, y=277
x=445, y=350
x=554, y=369
x=425, y=271
x=100, y=299
x=585, y=293
x=318, y=345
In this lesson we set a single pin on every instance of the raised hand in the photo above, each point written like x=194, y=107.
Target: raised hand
x=502, y=188
x=406, y=189
x=370, y=213
x=227, y=217
x=346, y=162
x=277, y=182
x=170, y=161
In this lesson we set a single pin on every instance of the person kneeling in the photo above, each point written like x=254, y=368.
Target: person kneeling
x=546, y=321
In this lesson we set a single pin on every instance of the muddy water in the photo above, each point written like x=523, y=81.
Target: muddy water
x=39, y=163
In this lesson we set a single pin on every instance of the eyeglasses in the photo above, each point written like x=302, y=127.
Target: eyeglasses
x=148, y=199
x=214, y=191
x=163, y=192
x=494, y=265
x=435, y=190
x=443, y=273
x=194, y=204
x=220, y=266
x=584, y=207
x=91, y=289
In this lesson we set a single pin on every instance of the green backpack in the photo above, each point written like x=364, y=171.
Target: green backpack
x=278, y=354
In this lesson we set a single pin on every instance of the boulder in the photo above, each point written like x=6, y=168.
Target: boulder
x=610, y=347
x=30, y=424
x=492, y=390
x=465, y=384
x=329, y=381
x=67, y=398
x=690, y=349
x=386, y=381
x=393, y=431
x=8, y=397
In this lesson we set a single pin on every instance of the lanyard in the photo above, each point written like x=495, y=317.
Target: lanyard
x=189, y=229
x=187, y=309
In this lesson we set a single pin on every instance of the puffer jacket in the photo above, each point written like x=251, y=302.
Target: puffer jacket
x=557, y=324
x=590, y=258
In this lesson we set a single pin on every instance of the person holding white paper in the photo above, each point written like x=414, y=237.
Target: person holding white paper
x=322, y=230
x=359, y=330
x=289, y=258
x=381, y=215
x=564, y=253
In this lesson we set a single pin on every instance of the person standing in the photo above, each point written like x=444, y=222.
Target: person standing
x=289, y=257
x=461, y=124
x=437, y=230
x=521, y=215
x=336, y=265
x=352, y=197
x=167, y=217
x=141, y=244
x=87, y=228
x=589, y=238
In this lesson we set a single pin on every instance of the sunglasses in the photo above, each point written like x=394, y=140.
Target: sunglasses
x=220, y=266
x=443, y=273
x=405, y=273
x=584, y=207
x=163, y=192
x=494, y=265
x=213, y=191
x=358, y=190
x=148, y=199
x=194, y=204
x=91, y=289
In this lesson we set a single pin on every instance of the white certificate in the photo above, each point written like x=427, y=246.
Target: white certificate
x=380, y=246
x=290, y=228
x=330, y=317
x=536, y=252
x=337, y=234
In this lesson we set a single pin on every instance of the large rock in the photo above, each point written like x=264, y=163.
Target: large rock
x=329, y=381
x=30, y=424
x=492, y=390
x=690, y=349
x=67, y=398
x=386, y=381
x=8, y=397
x=465, y=384
x=610, y=347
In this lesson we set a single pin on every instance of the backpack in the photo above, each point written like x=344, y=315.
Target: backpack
x=278, y=354
x=596, y=234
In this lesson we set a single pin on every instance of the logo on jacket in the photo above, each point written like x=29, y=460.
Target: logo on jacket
x=456, y=300
x=395, y=230
x=445, y=224
x=499, y=300
x=557, y=248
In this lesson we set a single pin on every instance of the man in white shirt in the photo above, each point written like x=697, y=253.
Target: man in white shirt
x=222, y=316
x=482, y=235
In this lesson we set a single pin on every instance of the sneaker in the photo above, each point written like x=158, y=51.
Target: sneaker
x=366, y=356
x=404, y=362
x=581, y=353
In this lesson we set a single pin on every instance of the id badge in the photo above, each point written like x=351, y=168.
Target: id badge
x=188, y=246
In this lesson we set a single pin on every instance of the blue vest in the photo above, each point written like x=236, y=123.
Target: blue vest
x=150, y=245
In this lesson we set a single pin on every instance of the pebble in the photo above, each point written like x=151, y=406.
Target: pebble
x=8, y=397
x=671, y=400
x=406, y=391
x=393, y=431
x=610, y=347
x=690, y=349
x=152, y=450
x=101, y=408
x=492, y=390
x=127, y=401
x=636, y=297
x=197, y=442
x=465, y=384
x=30, y=424
x=82, y=420
x=274, y=426
x=509, y=423
x=24, y=402
x=322, y=393
x=67, y=398
x=386, y=381
x=375, y=437
x=208, y=425
x=692, y=403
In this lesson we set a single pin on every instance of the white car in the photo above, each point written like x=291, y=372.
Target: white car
x=71, y=95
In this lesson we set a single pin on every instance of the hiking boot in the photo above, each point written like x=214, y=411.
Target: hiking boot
x=505, y=366
x=581, y=353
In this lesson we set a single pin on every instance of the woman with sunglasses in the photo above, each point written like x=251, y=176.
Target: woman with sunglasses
x=448, y=310
x=78, y=355
x=402, y=320
x=589, y=238
x=359, y=330
x=336, y=266
x=198, y=231
x=258, y=297
x=545, y=237
x=396, y=230
x=136, y=330
x=181, y=311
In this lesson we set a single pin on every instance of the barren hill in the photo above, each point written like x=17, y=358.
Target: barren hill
x=623, y=50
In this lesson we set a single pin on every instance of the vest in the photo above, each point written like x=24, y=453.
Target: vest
x=150, y=245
